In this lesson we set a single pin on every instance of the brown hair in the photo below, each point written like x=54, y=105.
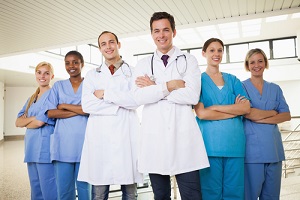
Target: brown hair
x=107, y=32
x=34, y=97
x=252, y=52
x=162, y=15
x=211, y=40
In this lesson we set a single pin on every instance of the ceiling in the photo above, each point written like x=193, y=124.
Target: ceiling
x=28, y=26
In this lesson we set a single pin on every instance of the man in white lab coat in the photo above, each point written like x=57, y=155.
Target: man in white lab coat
x=109, y=154
x=168, y=83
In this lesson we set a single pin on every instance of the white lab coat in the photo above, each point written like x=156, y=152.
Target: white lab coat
x=109, y=154
x=171, y=141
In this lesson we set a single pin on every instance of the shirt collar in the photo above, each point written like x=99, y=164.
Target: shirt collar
x=170, y=53
x=117, y=64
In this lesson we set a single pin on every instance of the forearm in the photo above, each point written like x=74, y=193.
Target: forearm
x=233, y=109
x=213, y=115
x=276, y=119
x=60, y=114
x=73, y=108
x=206, y=114
x=24, y=121
x=35, y=124
x=257, y=114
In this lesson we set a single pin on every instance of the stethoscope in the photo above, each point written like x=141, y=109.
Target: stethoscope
x=127, y=75
x=152, y=77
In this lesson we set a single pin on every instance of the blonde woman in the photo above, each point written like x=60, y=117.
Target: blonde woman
x=264, y=148
x=37, y=137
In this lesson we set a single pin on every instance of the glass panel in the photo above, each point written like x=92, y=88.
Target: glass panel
x=65, y=50
x=96, y=56
x=85, y=52
x=198, y=54
x=284, y=48
x=224, y=55
x=56, y=51
x=261, y=45
x=238, y=52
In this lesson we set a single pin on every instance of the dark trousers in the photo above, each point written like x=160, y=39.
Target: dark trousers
x=188, y=184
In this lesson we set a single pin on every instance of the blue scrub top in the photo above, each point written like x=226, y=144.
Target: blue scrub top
x=263, y=141
x=37, y=140
x=222, y=138
x=67, y=139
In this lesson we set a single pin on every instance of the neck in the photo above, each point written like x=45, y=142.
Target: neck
x=257, y=80
x=76, y=78
x=113, y=60
x=44, y=89
x=212, y=70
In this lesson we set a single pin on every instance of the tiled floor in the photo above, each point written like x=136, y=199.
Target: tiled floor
x=14, y=183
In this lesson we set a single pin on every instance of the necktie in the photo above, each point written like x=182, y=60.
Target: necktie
x=111, y=69
x=165, y=59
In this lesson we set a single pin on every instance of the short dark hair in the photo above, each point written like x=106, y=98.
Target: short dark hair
x=75, y=53
x=162, y=15
x=107, y=32
x=211, y=40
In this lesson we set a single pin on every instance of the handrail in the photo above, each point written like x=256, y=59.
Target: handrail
x=292, y=150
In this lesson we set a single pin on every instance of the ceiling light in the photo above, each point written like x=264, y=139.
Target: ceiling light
x=276, y=18
x=295, y=15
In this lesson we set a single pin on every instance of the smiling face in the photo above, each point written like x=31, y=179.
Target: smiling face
x=256, y=65
x=43, y=75
x=162, y=35
x=109, y=47
x=213, y=54
x=73, y=65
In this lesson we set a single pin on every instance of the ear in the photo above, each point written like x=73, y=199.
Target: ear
x=52, y=77
x=203, y=54
x=174, y=33
x=119, y=45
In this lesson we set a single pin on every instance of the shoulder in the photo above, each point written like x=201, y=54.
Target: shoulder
x=146, y=60
x=272, y=86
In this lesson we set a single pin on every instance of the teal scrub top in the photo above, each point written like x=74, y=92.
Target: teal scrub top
x=222, y=138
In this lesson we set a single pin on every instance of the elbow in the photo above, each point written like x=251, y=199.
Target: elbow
x=289, y=117
x=40, y=123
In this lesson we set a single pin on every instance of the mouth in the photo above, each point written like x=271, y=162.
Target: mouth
x=109, y=52
x=72, y=70
x=162, y=41
x=256, y=69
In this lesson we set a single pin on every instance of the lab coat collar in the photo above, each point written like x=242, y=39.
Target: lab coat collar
x=174, y=53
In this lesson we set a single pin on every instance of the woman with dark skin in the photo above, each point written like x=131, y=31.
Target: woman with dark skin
x=64, y=105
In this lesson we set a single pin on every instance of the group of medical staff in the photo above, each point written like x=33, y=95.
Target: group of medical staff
x=83, y=134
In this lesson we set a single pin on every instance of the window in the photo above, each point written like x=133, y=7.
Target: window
x=56, y=51
x=65, y=50
x=96, y=56
x=198, y=54
x=284, y=48
x=85, y=52
x=261, y=45
x=237, y=52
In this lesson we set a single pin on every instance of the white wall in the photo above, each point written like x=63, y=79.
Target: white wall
x=15, y=98
x=1, y=110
